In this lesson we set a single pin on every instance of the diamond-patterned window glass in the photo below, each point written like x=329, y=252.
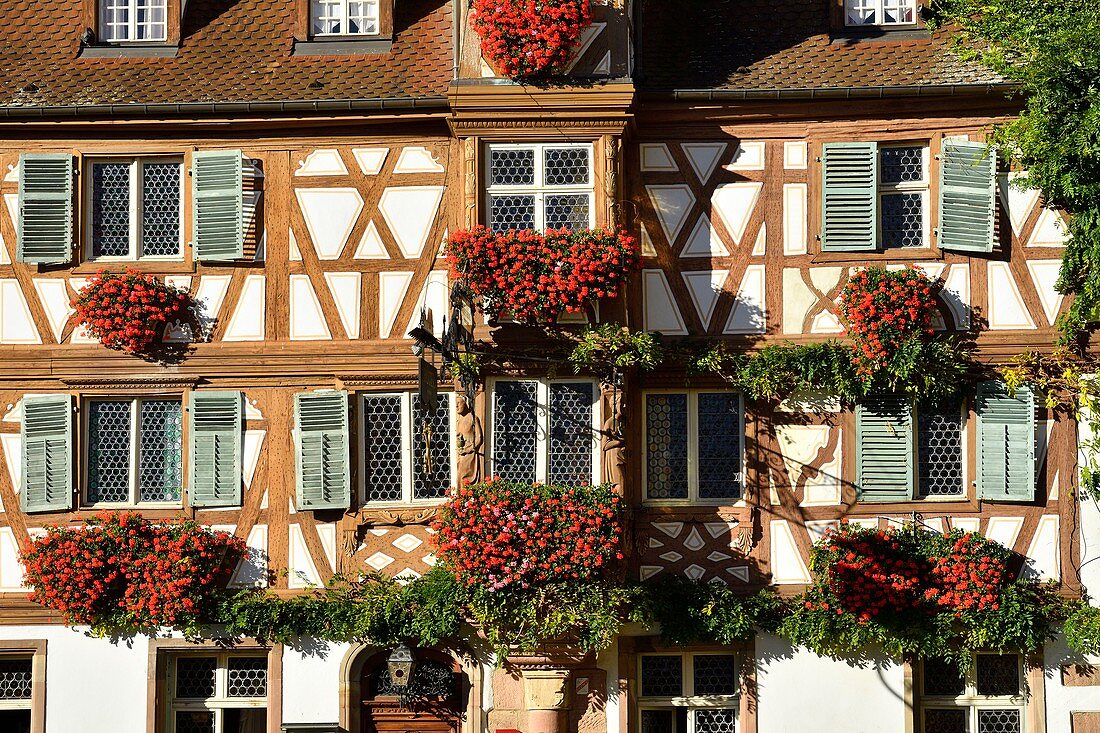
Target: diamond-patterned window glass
x=715, y=720
x=666, y=446
x=901, y=165
x=515, y=430
x=999, y=721
x=160, y=209
x=111, y=209
x=194, y=721
x=998, y=674
x=109, y=426
x=15, y=679
x=432, y=479
x=566, y=211
x=512, y=211
x=511, y=167
x=719, y=445
x=382, y=447
x=939, y=450
x=659, y=721
x=570, y=444
x=941, y=678
x=902, y=220
x=662, y=676
x=160, y=462
x=247, y=677
x=945, y=720
x=195, y=677
x=565, y=167
x=714, y=674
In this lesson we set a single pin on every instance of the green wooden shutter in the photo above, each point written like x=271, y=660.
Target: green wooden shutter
x=323, y=451
x=849, y=196
x=47, y=454
x=968, y=191
x=1006, y=443
x=45, y=226
x=884, y=448
x=218, y=204
x=215, y=456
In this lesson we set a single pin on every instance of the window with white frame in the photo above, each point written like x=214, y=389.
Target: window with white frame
x=880, y=12
x=903, y=196
x=987, y=699
x=940, y=439
x=217, y=693
x=540, y=186
x=688, y=693
x=694, y=446
x=344, y=17
x=397, y=467
x=133, y=20
x=16, y=688
x=135, y=451
x=134, y=209
x=545, y=430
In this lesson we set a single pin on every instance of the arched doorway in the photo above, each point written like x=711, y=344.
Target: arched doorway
x=433, y=702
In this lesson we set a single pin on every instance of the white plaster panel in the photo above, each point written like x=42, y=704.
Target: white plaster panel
x=748, y=314
x=672, y=204
x=787, y=565
x=749, y=156
x=656, y=158
x=303, y=572
x=311, y=682
x=436, y=296
x=417, y=160
x=1006, y=306
x=735, y=203
x=1044, y=273
x=704, y=241
x=1089, y=569
x=795, y=155
x=324, y=162
x=16, y=324
x=251, y=571
x=11, y=570
x=330, y=215
x=588, y=37
x=703, y=158
x=1050, y=230
x=371, y=246
x=208, y=298
x=253, y=444
x=826, y=322
x=798, y=299
x=295, y=253
x=794, y=218
x=966, y=524
x=248, y=320
x=1061, y=699
x=409, y=212
x=54, y=296
x=956, y=293
x=800, y=445
x=1044, y=555
x=392, y=287
x=344, y=287
x=760, y=248
x=5, y=258
x=661, y=313
x=13, y=459
x=11, y=200
x=704, y=287
x=370, y=160
x=1004, y=530
x=648, y=250
x=1017, y=201
x=307, y=320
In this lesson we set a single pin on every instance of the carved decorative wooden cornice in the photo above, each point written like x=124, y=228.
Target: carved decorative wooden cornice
x=173, y=381
x=359, y=381
x=395, y=517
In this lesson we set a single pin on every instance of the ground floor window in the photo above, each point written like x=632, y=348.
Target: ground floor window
x=688, y=693
x=217, y=693
x=16, y=685
x=989, y=699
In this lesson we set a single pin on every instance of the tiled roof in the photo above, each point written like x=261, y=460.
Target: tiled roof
x=231, y=51
x=745, y=45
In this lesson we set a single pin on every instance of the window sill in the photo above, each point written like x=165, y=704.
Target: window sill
x=128, y=51
x=879, y=257
x=898, y=509
x=881, y=34
x=160, y=267
x=343, y=47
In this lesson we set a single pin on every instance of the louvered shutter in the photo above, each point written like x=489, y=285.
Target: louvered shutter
x=968, y=190
x=218, y=204
x=45, y=226
x=323, y=451
x=47, y=454
x=849, y=197
x=215, y=455
x=884, y=448
x=1006, y=443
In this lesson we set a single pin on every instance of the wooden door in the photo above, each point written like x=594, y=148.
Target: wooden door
x=436, y=708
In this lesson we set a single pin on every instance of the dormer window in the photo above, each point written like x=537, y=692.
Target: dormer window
x=345, y=17
x=880, y=12
x=130, y=21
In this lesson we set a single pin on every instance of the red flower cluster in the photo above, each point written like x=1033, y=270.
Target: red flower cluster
x=969, y=577
x=884, y=309
x=534, y=277
x=872, y=574
x=128, y=311
x=530, y=38
x=499, y=533
x=122, y=570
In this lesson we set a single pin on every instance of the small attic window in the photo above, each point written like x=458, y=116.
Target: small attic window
x=887, y=13
x=344, y=18
x=130, y=21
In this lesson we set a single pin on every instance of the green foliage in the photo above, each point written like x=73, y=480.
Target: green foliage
x=1082, y=629
x=690, y=611
x=612, y=347
x=1052, y=50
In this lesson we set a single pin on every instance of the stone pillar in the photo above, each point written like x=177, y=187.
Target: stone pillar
x=546, y=696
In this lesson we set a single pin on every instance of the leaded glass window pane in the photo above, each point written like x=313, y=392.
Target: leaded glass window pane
x=512, y=211
x=999, y=721
x=382, y=446
x=662, y=676
x=565, y=167
x=715, y=674
x=571, y=438
x=998, y=674
x=941, y=678
x=195, y=677
x=901, y=165
x=432, y=478
x=16, y=679
x=715, y=720
x=945, y=720
x=160, y=463
x=902, y=220
x=160, y=209
x=512, y=167
x=939, y=450
x=719, y=445
x=109, y=448
x=247, y=677
x=194, y=721
x=515, y=430
x=567, y=211
x=111, y=209
x=666, y=446
x=659, y=721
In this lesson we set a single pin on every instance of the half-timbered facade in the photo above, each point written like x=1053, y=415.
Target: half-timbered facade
x=297, y=165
